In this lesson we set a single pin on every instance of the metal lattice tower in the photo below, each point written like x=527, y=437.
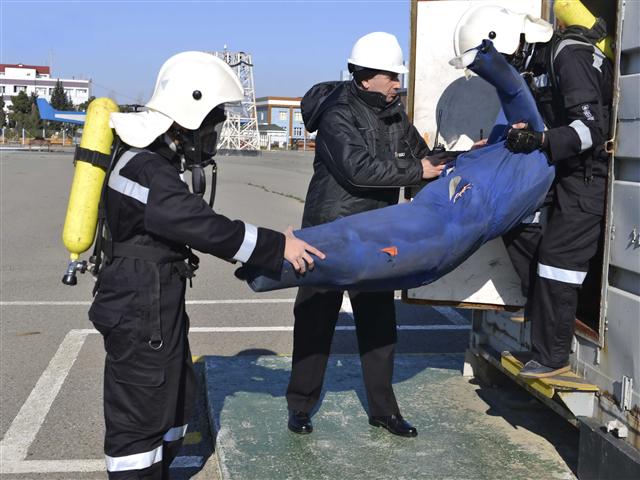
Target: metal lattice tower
x=240, y=130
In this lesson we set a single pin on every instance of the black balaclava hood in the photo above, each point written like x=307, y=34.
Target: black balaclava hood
x=373, y=99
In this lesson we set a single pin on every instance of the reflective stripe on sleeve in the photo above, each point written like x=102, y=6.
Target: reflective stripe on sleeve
x=541, y=81
x=136, y=461
x=561, y=275
x=533, y=218
x=122, y=184
x=584, y=133
x=248, y=244
x=175, y=433
x=129, y=188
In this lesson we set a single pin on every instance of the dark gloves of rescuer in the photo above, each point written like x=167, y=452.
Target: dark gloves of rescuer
x=525, y=140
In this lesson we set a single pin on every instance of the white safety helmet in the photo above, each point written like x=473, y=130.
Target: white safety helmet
x=188, y=87
x=500, y=25
x=378, y=51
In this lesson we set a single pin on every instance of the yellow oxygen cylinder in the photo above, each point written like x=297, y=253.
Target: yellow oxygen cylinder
x=573, y=12
x=82, y=210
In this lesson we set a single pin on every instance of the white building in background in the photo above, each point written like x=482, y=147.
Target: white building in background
x=37, y=79
x=272, y=136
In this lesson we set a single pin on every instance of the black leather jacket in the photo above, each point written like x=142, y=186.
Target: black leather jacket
x=365, y=151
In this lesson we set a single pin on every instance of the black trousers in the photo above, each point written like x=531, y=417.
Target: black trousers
x=316, y=313
x=555, y=272
x=148, y=391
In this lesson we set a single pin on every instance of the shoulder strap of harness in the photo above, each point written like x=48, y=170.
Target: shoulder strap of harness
x=120, y=162
x=93, y=157
x=102, y=231
x=575, y=35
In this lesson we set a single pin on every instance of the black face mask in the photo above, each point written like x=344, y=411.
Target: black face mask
x=198, y=147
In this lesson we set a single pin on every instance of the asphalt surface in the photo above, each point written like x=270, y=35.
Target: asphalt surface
x=51, y=362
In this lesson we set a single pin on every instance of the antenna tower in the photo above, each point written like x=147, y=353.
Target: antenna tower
x=240, y=130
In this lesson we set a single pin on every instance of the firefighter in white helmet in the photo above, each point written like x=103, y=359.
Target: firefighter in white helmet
x=366, y=149
x=571, y=80
x=153, y=222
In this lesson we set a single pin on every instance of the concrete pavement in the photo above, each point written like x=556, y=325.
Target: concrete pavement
x=51, y=360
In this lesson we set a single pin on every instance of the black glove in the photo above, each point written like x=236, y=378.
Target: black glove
x=525, y=140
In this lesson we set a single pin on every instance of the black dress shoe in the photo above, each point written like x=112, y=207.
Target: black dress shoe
x=394, y=424
x=300, y=422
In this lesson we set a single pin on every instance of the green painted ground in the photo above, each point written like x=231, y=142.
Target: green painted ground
x=465, y=432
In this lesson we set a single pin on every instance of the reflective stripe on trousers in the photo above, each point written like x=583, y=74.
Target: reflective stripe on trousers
x=574, y=277
x=139, y=461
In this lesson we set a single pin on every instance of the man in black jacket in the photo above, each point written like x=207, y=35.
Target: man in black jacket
x=572, y=83
x=366, y=149
x=153, y=222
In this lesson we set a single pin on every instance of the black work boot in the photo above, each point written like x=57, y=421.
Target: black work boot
x=534, y=369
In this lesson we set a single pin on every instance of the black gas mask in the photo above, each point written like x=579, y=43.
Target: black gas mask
x=198, y=147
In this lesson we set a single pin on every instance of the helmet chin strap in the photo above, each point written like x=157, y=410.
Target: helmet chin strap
x=197, y=149
x=188, y=146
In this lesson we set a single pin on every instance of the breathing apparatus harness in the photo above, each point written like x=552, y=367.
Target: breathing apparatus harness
x=197, y=149
x=588, y=36
x=522, y=57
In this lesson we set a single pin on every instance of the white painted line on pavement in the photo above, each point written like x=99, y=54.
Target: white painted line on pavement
x=455, y=317
x=238, y=329
x=67, y=466
x=339, y=327
x=52, y=466
x=434, y=327
x=27, y=303
x=287, y=328
x=187, y=462
x=241, y=301
x=449, y=312
x=25, y=426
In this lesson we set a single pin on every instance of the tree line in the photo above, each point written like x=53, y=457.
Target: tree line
x=24, y=113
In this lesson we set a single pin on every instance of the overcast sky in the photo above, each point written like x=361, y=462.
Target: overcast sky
x=120, y=45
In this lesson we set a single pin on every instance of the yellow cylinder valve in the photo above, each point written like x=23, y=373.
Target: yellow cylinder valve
x=573, y=12
x=82, y=211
